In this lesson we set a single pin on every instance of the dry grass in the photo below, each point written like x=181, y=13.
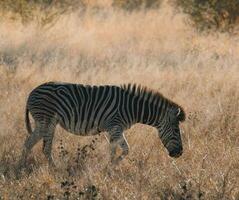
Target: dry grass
x=152, y=48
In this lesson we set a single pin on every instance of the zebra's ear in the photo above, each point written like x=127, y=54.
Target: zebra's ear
x=180, y=114
x=179, y=110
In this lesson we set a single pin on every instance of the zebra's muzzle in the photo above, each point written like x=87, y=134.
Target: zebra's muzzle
x=176, y=153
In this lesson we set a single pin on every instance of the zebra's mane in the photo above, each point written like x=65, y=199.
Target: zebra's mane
x=145, y=92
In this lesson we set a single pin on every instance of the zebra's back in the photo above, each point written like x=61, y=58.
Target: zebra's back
x=80, y=109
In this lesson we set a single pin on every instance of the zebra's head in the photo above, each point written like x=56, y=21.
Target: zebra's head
x=169, y=131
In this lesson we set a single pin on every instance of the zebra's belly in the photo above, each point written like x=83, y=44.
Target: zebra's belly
x=81, y=129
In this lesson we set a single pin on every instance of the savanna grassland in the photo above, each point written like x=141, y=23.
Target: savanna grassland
x=154, y=48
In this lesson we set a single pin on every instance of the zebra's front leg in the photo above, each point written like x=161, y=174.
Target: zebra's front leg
x=125, y=149
x=117, y=138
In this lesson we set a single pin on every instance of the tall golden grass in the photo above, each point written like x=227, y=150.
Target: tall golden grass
x=155, y=49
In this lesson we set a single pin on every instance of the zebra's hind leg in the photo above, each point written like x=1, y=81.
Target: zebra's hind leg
x=48, y=135
x=29, y=144
x=117, y=138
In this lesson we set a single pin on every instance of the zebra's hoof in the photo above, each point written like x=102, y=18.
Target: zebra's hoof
x=52, y=166
x=116, y=161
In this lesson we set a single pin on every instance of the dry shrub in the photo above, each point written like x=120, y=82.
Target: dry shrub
x=43, y=11
x=48, y=11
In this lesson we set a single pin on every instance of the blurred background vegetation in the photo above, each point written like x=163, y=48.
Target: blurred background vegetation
x=211, y=14
x=221, y=15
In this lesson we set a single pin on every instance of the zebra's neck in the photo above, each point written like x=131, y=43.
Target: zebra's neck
x=152, y=111
x=142, y=105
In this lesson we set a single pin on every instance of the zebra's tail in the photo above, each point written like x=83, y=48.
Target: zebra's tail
x=27, y=120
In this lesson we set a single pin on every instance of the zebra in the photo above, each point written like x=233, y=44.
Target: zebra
x=88, y=110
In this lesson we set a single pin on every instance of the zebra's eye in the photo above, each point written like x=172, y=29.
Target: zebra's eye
x=176, y=126
x=173, y=120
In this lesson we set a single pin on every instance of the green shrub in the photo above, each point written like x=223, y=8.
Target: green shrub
x=211, y=14
x=136, y=4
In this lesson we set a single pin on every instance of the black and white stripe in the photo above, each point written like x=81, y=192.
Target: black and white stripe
x=89, y=110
